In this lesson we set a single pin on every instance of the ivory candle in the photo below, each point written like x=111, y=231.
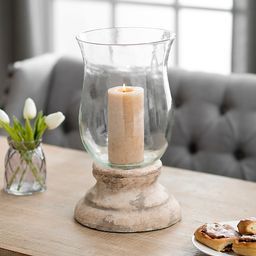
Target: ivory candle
x=125, y=125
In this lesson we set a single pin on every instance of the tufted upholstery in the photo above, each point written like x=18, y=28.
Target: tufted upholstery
x=215, y=115
x=215, y=124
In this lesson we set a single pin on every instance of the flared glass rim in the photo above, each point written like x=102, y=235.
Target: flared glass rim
x=171, y=36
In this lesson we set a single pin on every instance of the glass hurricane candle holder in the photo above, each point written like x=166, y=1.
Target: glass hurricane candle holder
x=125, y=120
x=126, y=103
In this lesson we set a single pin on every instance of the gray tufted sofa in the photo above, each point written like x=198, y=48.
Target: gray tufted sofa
x=215, y=115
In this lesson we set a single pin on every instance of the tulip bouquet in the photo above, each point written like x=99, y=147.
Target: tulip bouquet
x=25, y=138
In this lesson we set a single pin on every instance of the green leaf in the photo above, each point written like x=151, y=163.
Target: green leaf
x=11, y=131
x=37, y=125
x=29, y=131
x=19, y=129
x=41, y=127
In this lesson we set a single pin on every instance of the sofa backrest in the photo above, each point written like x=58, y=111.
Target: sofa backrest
x=215, y=123
x=215, y=115
x=64, y=95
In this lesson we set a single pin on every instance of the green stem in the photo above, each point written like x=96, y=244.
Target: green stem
x=35, y=173
x=28, y=159
x=21, y=178
x=9, y=184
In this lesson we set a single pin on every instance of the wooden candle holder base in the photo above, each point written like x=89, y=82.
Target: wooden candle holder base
x=127, y=201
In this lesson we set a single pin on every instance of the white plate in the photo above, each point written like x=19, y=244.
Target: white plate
x=209, y=251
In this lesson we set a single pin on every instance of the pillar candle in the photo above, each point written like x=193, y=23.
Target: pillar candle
x=125, y=125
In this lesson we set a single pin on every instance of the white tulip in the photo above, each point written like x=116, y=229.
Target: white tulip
x=29, y=111
x=4, y=117
x=54, y=120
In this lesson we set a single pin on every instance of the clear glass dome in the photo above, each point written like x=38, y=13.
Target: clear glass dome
x=126, y=106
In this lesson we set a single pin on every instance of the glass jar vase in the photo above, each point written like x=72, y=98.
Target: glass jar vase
x=25, y=168
x=126, y=105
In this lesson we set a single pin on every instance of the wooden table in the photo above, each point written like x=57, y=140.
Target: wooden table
x=43, y=224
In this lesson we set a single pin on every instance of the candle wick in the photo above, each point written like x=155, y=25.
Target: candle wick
x=124, y=88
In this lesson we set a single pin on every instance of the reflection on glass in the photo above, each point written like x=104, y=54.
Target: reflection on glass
x=128, y=15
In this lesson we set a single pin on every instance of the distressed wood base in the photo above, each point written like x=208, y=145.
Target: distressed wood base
x=127, y=201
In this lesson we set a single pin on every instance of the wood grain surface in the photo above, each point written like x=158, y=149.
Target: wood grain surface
x=43, y=224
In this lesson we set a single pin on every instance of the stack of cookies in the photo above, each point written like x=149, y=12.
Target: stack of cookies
x=224, y=238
